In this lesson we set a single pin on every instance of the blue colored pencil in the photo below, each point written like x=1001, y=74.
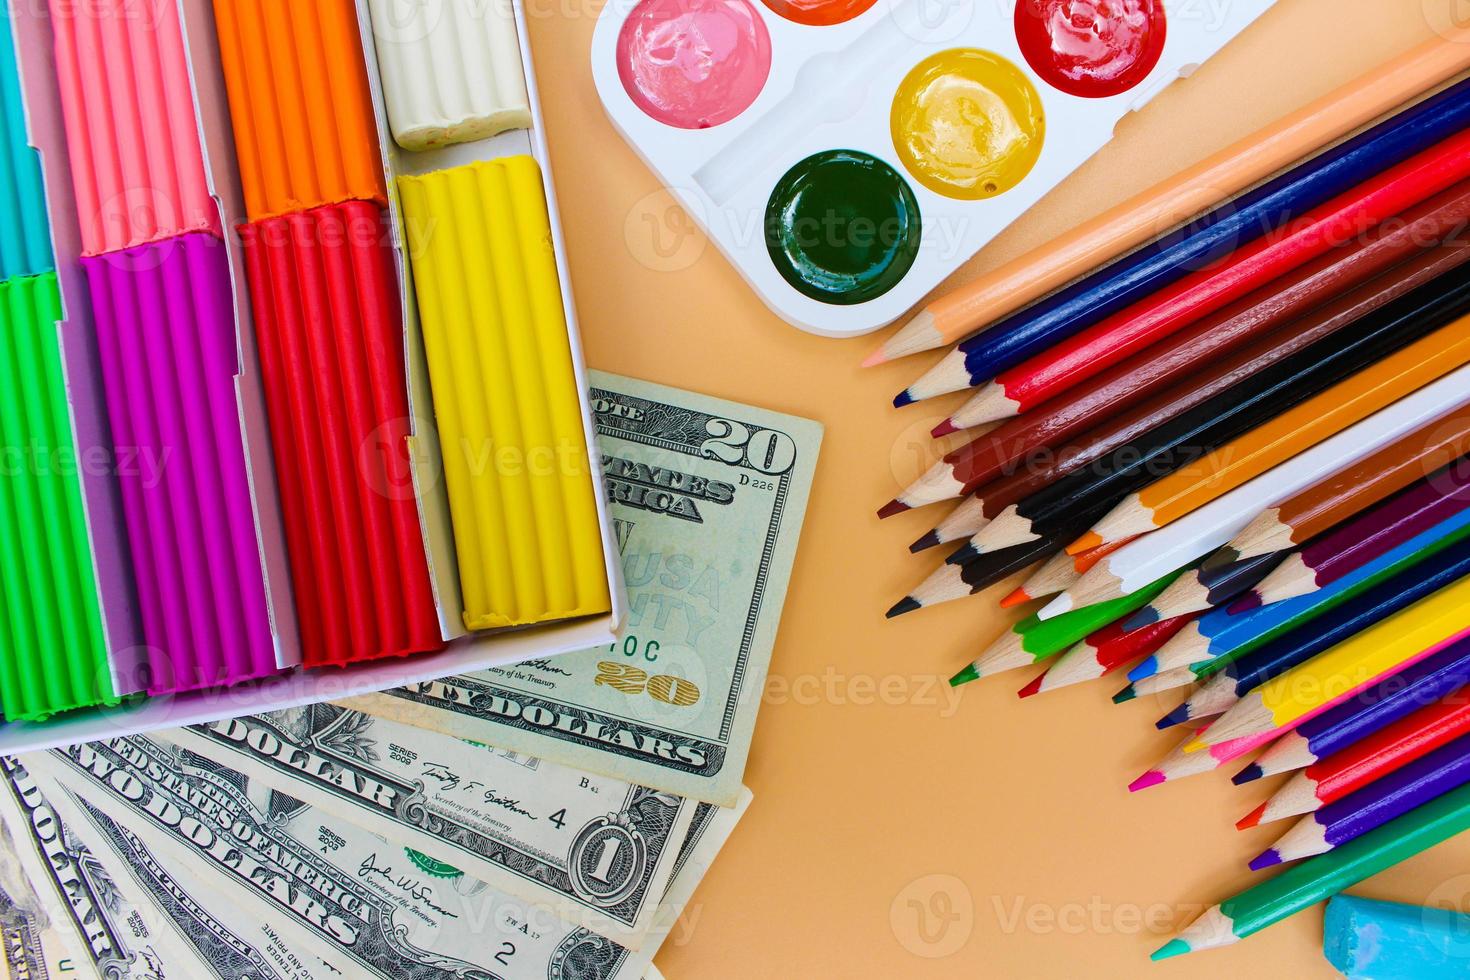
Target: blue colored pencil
x=1173, y=256
x=1348, y=619
x=1219, y=633
x=1394, y=697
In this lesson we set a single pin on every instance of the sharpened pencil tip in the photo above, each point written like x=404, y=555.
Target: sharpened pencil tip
x=903, y=398
x=879, y=356
x=964, y=554
x=930, y=540
x=1245, y=604
x=1033, y=688
x=1016, y=598
x=1171, y=949
x=1151, y=778
x=1087, y=542
x=1146, y=616
x=891, y=508
x=1252, y=819
x=905, y=605
x=1176, y=717
x=944, y=428
x=1266, y=859
x=965, y=676
x=1249, y=774
x=1124, y=696
x=1147, y=667
x=1194, y=745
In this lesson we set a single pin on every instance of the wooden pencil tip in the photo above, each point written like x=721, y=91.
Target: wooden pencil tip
x=879, y=356
x=891, y=508
x=1171, y=949
x=1176, y=717
x=1085, y=543
x=905, y=605
x=1033, y=688
x=1016, y=598
x=1268, y=858
x=944, y=428
x=965, y=676
x=1124, y=696
x=1246, y=603
x=930, y=540
x=1249, y=774
x=903, y=398
x=1252, y=819
x=1151, y=778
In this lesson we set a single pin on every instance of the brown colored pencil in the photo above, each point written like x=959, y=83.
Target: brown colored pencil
x=1355, y=489
x=983, y=460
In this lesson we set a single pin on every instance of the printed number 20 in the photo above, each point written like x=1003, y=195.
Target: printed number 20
x=768, y=451
x=661, y=687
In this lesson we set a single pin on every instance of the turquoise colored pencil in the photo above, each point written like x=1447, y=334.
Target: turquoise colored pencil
x=1303, y=885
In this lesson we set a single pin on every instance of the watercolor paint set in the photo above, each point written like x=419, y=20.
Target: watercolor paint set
x=292, y=218
x=848, y=155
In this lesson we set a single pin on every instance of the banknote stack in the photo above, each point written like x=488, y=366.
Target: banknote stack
x=546, y=820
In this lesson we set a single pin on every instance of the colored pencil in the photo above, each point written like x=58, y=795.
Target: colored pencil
x=1380, y=651
x=1057, y=575
x=1031, y=641
x=1192, y=537
x=1183, y=761
x=1104, y=652
x=1386, y=525
x=1156, y=683
x=1005, y=454
x=1179, y=198
x=1343, y=495
x=1366, y=760
x=950, y=582
x=1445, y=769
x=1287, y=435
x=1219, y=637
x=1050, y=354
x=1332, y=731
x=1175, y=358
x=1347, y=620
x=1306, y=884
x=1204, y=588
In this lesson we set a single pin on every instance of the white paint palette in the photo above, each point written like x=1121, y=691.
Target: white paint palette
x=848, y=155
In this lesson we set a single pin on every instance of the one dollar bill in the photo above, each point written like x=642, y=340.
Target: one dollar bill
x=596, y=850
x=708, y=499
x=370, y=907
x=210, y=939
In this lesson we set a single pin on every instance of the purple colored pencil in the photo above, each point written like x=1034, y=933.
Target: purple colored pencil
x=1410, y=689
x=166, y=333
x=1366, y=537
x=1393, y=795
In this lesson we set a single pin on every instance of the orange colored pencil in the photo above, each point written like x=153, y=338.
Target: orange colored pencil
x=1284, y=437
x=1180, y=197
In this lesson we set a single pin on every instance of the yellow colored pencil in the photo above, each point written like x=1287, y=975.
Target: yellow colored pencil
x=1377, y=652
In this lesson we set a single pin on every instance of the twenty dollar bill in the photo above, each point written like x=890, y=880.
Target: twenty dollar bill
x=708, y=498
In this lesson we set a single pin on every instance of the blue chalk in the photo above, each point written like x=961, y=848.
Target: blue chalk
x=1370, y=940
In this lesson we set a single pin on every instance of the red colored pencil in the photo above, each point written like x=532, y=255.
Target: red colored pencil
x=1104, y=652
x=1176, y=306
x=1361, y=763
x=1342, y=268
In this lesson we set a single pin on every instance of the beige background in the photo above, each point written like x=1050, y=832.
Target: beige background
x=876, y=796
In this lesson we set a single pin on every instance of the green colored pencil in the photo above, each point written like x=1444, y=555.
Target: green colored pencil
x=1322, y=877
x=1031, y=640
